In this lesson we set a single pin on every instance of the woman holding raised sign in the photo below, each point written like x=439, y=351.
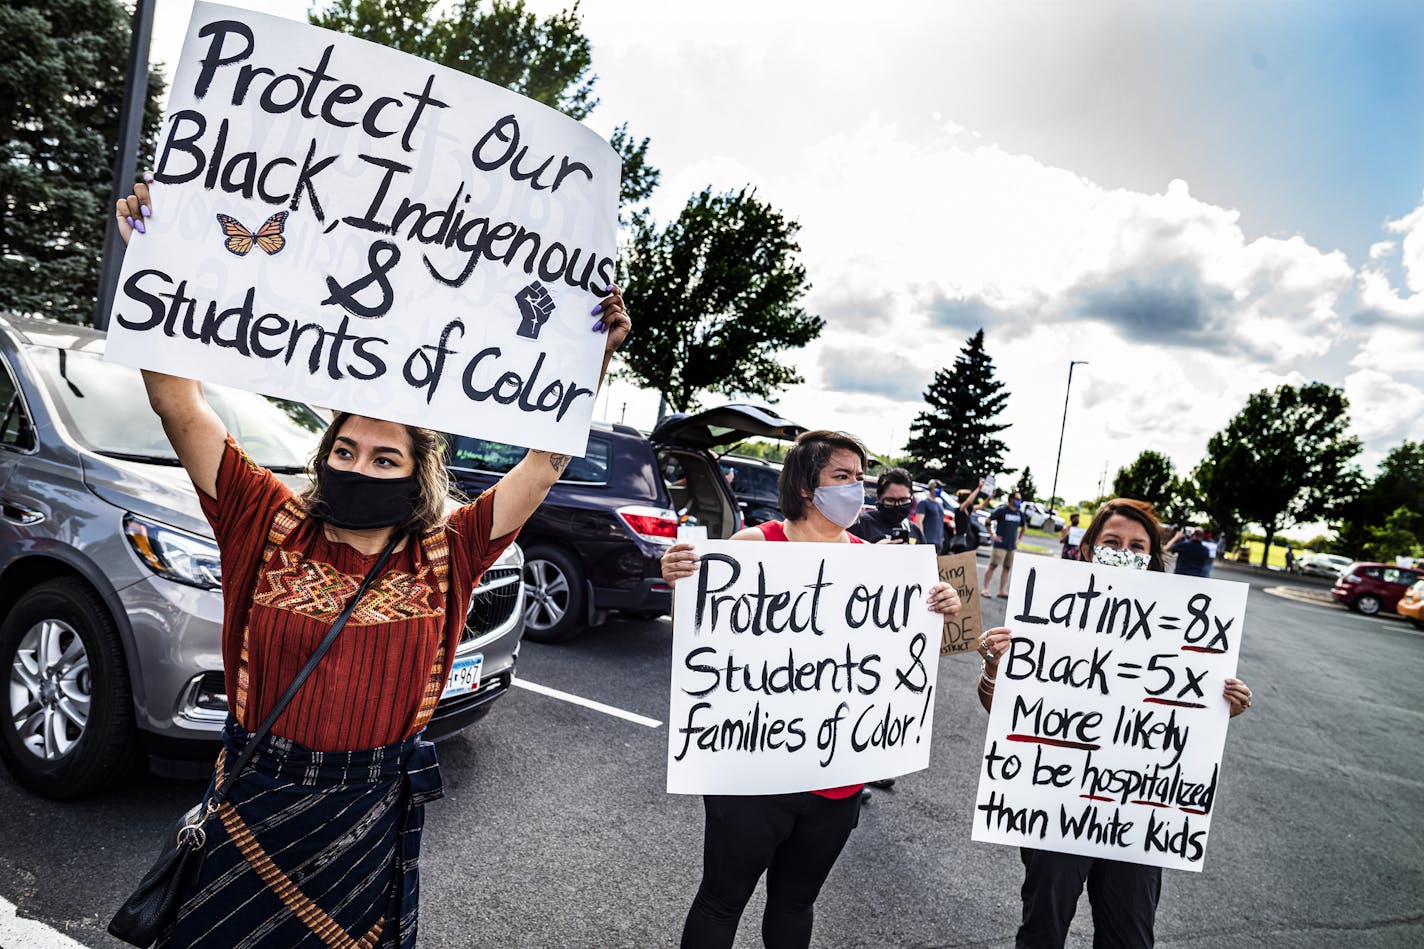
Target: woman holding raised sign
x=318, y=838
x=793, y=838
x=1124, y=533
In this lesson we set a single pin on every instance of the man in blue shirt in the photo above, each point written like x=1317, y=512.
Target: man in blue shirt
x=1006, y=526
x=1193, y=558
x=931, y=516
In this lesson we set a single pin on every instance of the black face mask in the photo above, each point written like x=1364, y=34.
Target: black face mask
x=893, y=513
x=359, y=502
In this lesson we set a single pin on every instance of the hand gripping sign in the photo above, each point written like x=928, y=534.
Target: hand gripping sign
x=1108, y=721
x=797, y=667
x=349, y=225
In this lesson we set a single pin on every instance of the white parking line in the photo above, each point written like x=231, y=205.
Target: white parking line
x=17, y=933
x=587, y=703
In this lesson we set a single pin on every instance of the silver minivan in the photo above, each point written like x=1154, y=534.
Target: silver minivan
x=110, y=602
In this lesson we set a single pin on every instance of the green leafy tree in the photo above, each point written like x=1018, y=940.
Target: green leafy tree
x=547, y=59
x=1399, y=483
x=718, y=295
x=61, y=92
x=757, y=448
x=955, y=439
x=1283, y=459
x=1152, y=477
x=1026, y=488
x=1394, y=538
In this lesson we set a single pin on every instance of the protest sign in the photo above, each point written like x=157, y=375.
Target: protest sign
x=961, y=632
x=349, y=225
x=797, y=667
x=1108, y=723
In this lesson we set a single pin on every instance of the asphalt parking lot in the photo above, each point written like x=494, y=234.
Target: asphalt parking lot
x=556, y=830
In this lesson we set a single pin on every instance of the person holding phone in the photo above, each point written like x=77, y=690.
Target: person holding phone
x=889, y=521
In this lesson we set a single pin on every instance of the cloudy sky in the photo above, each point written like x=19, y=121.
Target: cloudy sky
x=1201, y=200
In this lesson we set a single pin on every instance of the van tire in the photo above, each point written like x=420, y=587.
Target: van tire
x=107, y=746
x=555, y=596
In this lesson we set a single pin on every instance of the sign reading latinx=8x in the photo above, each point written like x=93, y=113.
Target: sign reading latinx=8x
x=1108, y=723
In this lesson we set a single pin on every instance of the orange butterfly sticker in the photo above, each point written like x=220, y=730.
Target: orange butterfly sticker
x=240, y=239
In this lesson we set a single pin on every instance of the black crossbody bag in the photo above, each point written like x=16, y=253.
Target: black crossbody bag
x=154, y=904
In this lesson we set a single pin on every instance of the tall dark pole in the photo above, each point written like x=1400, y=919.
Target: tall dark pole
x=126, y=154
x=1053, y=494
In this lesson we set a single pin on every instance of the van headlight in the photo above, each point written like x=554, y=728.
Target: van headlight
x=174, y=554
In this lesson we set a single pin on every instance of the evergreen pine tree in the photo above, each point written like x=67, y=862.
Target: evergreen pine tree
x=954, y=439
x=1026, y=488
x=61, y=89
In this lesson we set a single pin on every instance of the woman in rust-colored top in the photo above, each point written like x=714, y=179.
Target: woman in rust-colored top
x=318, y=843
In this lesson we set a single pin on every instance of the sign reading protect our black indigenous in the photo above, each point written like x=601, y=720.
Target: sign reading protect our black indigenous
x=349, y=225
x=1108, y=722
x=797, y=667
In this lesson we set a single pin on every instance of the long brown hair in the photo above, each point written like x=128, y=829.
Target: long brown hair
x=801, y=471
x=427, y=449
x=1139, y=511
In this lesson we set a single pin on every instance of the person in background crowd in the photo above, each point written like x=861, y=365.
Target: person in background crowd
x=1192, y=556
x=1209, y=542
x=1071, y=536
x=793, y=838
x=930, y=514
x=888, y=522
x=966, y=535
x=1124, y=533
x=1290, y=560
x=1006, y=527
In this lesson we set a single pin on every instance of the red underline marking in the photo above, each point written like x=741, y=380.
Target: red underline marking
x=1150, y=803
x=1174, y=702
x=1096, y=797
x=1202, y=649
x=1191, y=810
x=1055, y=742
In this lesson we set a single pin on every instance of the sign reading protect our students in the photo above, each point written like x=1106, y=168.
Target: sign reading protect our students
x=1108, y=722
x=798, y=667
x=349, y=225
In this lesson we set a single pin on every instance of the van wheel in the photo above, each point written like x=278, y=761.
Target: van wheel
x=66, y=719
x=1369, y=604
x=556, y=603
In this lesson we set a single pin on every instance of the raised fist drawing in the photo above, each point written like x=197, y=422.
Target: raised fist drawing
x=535, y=307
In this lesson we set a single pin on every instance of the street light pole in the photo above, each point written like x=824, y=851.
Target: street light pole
x=125, y=155
x=1053, y=495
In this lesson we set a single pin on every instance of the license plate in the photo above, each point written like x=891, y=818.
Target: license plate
x=464, y=676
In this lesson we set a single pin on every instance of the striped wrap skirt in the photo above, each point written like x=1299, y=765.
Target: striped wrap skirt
x=313, y=848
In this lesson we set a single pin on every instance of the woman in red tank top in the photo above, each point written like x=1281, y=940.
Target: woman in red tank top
x=793, y=838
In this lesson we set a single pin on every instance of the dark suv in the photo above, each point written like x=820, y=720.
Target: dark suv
x=594, y=545
x=754, y=483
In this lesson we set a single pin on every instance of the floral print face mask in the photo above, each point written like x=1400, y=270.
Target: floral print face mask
x=1120, y=557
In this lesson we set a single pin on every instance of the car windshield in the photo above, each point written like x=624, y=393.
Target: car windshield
x=478, y=454
x=105, y=407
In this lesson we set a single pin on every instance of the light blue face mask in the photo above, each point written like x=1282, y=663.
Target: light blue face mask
x=1115, y=557
x=840, y=504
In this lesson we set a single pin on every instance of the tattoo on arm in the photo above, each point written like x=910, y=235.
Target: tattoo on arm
x=560, y=462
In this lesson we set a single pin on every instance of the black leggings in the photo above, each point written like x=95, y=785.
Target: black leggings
x=793, y=838
x=1124, y=898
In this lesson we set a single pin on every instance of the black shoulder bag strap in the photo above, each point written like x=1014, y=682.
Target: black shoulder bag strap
x=220, y=794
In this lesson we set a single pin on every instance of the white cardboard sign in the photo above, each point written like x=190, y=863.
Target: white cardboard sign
x=798, y=667
x=1108, y=723
x=348, y=225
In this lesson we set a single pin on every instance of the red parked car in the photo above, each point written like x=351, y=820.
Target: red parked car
x=1372, y=587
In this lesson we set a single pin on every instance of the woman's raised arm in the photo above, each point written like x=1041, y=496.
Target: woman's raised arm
x=193, y=428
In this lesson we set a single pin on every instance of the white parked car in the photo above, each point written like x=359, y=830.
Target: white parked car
x=1039, y=518
x=1323, y=565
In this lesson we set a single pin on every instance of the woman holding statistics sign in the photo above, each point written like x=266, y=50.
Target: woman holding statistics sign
x=793, y=838
x=1124, y=533
x=318, y=839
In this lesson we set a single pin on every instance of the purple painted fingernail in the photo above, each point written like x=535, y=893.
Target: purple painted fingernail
x=138, y=226
x=148, y=177
x=144, y=209
x=608, y=289
x=598, y=327
x=130, y=220
x=597, y=310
